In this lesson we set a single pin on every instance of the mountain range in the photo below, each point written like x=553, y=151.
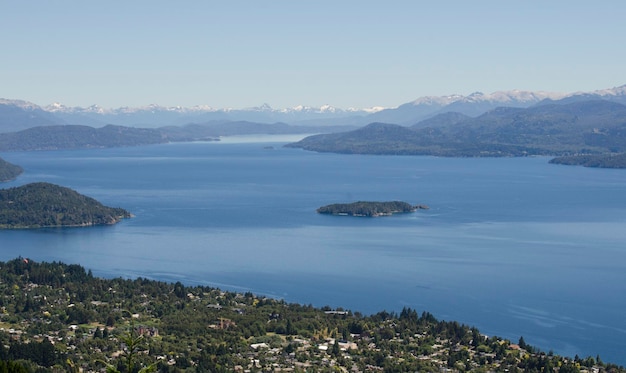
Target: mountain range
x=558, y=128
x=16, y=115
x=582, y=128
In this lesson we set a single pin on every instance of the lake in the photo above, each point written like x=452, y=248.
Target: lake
x=513, y=246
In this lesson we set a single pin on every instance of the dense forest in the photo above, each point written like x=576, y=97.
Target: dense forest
x=47, y=205
x=9, y=171
x=365, y=208
x=56, y=317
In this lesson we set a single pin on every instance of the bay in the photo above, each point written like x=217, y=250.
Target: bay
x=514, y=246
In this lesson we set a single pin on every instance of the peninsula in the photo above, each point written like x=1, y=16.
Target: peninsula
x=38, y=205
x=593, y=160
x=559, y=128
x=365, y=208
x=58, y=317
x=8, y=171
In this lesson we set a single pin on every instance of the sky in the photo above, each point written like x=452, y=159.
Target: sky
x=344, y=53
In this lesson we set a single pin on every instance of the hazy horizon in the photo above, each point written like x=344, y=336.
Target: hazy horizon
x=265, y=105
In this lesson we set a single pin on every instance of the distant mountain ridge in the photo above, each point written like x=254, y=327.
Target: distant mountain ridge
x=157, y=116
x=561, y=128
x=77, y=137
x=471, y=105
x=17, y=115
x=57, y=137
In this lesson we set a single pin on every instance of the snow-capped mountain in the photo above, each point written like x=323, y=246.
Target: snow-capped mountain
x=477, y=103
x=156, y=115
x=515, y=97
x=17, y=114
x=25, y=105
x=610, y=93
x=472, y=105
x=60, y=108
x=324, y=109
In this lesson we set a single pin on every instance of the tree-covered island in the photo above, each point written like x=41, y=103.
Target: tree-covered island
x=39, y=205
x=365, y=208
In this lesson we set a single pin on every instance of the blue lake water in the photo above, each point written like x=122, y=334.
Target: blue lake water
x=514, y=246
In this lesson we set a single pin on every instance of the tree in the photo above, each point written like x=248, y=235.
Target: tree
x=11, y=367
x=522, y=343
x=110, y=320
x=335, y=350
x=133, y=343
x=290, y=330
x=97, y=334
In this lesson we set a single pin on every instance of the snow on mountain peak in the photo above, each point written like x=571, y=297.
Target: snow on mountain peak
x=201, y=108
x=436, y=100
x=327, y=109
x=371, y=110
x=515, y=98
x=55, y=106
x=524, y=96
x=615, y=91
x=502, y=97
x=19, y=103
x=324, y=109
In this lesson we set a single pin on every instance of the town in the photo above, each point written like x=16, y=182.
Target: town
x=57, y=318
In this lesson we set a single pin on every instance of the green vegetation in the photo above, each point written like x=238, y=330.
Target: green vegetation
x=60, y=318
x=11, y=367
x=593, y=160
x=47, y=205
x=364, y=208
x=8, y=171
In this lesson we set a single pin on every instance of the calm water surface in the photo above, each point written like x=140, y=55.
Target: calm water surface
x=514, y=246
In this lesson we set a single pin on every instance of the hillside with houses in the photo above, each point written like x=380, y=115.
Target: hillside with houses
x=56, y=317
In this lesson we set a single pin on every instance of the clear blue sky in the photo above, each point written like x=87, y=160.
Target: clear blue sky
x=238, y=54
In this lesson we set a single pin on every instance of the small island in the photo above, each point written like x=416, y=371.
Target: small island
x=39, y=205
x=370, y=209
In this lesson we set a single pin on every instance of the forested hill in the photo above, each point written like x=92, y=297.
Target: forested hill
x=8, y=171
x=588, y=127
x=60, y=318
x=47, y=205
x=77, y=137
